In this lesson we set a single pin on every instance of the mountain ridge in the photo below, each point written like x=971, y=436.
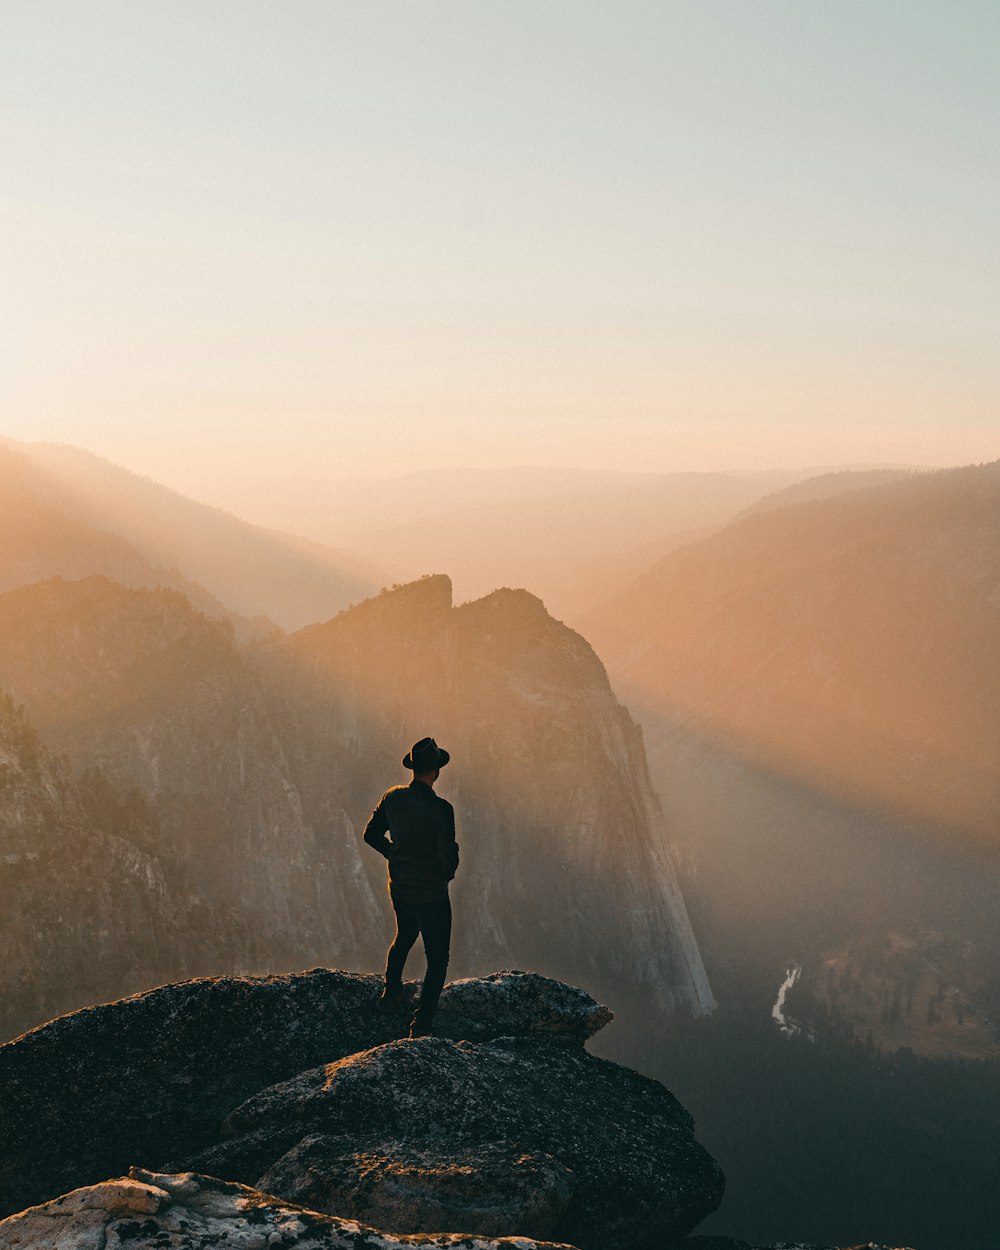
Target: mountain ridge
x=141, y=532
x=786, y=633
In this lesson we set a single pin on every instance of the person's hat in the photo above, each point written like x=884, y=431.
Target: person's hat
x=424, y=756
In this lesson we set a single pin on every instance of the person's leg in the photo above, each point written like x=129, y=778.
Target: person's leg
x=407, y=929
x=435, y=929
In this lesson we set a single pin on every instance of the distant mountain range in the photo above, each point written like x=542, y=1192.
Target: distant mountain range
x=66, y=512
x=831, y=644
x=819, y=688
x=849, y=642
x=570, y=536
x=814, y=666
x=827, y=486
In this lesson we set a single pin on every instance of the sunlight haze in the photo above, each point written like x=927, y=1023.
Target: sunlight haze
x=599, y=398
x=366, y=239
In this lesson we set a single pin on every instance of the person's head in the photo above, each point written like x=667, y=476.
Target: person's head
x=426, y=759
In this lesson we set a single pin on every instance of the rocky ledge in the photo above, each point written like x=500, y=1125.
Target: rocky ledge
x=286, y=1111
x=151, y=1077
x=518, y=1136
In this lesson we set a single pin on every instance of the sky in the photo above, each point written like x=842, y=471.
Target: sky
x=318, y=237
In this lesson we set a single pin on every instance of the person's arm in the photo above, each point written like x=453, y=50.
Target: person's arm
x=447, y=847
x=377, y=828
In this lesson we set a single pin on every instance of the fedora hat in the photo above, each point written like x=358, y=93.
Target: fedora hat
x=424, y=756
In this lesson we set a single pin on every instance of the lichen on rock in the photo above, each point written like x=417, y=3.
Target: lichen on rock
x=191, y=1212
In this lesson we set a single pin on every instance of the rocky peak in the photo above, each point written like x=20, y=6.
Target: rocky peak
x=548, y=776
x=512, y=603
x=516, y=1136
x=409, y=610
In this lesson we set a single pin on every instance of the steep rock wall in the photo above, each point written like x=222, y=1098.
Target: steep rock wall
x=565, y=864
x=89, y=906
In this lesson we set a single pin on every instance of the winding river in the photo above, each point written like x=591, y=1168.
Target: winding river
x=778, y=1010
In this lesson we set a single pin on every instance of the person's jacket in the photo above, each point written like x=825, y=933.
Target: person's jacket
x=421, y=849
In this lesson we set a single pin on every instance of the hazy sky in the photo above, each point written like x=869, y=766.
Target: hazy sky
x=318, y=236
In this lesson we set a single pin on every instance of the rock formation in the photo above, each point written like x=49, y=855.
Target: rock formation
x=516, y=1139
x=297, y=1078
x=154, y=1211
x=562, y=835
x=514, y=1136
x=140, y=1080
x=189, y=1212
x=262, y=764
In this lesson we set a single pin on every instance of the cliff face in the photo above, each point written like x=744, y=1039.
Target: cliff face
x=562, y=837
x=89, y=903
x=64, y=511
x=556, y=777
x=261, y=766
x=161, y=699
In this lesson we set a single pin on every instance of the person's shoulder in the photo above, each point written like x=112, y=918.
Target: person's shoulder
x=445, y=802
x=392, y=792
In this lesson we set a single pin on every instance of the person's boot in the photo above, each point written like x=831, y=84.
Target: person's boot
x=419, y=1027
x=391, y=998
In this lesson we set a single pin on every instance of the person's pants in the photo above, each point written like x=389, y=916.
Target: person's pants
x=432, y=922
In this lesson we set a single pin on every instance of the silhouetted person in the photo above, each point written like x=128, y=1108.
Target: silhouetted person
x=423, y=857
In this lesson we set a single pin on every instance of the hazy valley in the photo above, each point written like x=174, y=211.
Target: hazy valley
x=572, y=537
x=202, y=737
x=818, y=689
x=260, y=762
